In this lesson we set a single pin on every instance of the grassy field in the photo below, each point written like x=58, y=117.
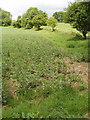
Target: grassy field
x=41, y=77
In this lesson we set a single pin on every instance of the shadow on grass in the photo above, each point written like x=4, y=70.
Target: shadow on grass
x=78, y=37
x=39, y=29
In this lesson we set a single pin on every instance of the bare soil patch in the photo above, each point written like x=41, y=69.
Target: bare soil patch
x=78, y=68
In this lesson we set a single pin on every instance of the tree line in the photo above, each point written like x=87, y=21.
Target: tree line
x=77, y=14
x=5, y=18
x=34, y=18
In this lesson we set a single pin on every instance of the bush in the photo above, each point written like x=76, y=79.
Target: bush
x=39, y=20
x=52, y=22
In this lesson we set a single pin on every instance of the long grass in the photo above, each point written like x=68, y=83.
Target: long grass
x=36, y=83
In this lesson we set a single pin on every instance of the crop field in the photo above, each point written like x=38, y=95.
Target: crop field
x=44, y=73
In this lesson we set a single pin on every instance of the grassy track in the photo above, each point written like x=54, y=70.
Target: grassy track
x=37, y=82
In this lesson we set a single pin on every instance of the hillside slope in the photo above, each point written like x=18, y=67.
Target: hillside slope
x=40, y=76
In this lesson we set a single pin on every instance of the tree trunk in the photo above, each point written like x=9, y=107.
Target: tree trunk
x=53, y=29
x=84, y=34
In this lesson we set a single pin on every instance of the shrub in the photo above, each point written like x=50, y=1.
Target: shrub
x=52, y=22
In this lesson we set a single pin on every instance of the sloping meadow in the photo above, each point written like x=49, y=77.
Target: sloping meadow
x=30, y=60
x=33, y=70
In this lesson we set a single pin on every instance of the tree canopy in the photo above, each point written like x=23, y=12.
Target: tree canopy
x=17, y=23
x=5, y=18
x=52, y=22
x=39, y=20
x=33, y=17
x=59, y=16
x=78, y=15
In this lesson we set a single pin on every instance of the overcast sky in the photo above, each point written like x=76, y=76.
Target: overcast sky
x=18, y=7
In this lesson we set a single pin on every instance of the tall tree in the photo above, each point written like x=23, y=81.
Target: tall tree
x=78, y=15
x=59, y=16
x=39, y=20
x=17, y=23
x=5, y=18
x=28, y=19
x=52, y=22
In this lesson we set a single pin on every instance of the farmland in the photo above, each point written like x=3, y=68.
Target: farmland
x=44, y=73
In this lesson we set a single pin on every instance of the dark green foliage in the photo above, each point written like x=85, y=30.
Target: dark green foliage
x=29, y=24
x=78, y=15
x=59, y=16
x=5, y=18
x=13, y=23
x=17, y=23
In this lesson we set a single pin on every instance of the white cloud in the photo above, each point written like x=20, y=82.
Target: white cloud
x=18, y=7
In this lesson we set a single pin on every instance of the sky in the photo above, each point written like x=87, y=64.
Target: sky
x=18, y=7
